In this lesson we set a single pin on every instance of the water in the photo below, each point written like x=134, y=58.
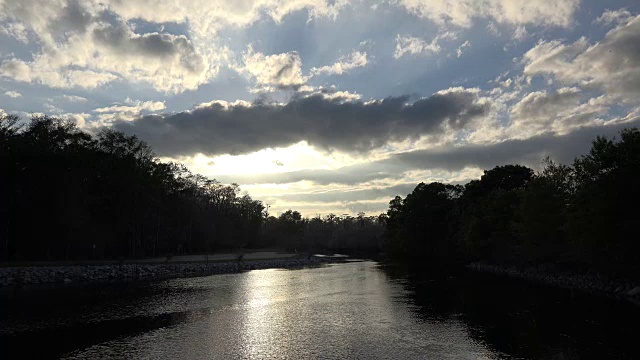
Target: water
x=340, y=311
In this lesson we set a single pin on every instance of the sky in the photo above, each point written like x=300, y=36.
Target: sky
x=330, y=106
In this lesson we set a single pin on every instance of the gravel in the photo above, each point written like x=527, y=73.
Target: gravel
x=593, y=283
x=126, y=272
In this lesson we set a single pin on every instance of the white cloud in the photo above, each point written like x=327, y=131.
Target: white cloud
x=16, y=69
x=279, y=70
x=52, y=108
x=346, y=63
x=460, y=50
x=611, y=65
x=206, y=17
x=81, y=46
x=520, y=33
x=541, y=111
x=91, y=43
x=462, y=12
x=40, y=71
x=341, y=96
x=614, y=17
x=128, y=112
x=493, y=29
x=74, y=98
x=409, y=45
x=13, y=94
x=15, y=30
x=79, y=119
x=136, y=108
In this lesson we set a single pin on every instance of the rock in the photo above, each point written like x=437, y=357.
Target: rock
x=68, y=274
x=635, y=291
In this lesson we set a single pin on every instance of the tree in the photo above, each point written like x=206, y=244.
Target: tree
x=67, y=191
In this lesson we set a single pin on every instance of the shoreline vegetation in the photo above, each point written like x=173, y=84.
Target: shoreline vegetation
x=72, y=196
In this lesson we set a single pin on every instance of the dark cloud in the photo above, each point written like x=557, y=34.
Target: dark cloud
x=528, y=152
x=73, y=18
x=325, y=123
x=122, y=40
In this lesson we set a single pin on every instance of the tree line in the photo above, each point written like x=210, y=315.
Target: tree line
x=332, y=232
x=69, y=195
x=585, y=215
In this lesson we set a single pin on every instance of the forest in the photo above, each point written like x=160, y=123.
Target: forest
x=579, y=216
x=70, y=195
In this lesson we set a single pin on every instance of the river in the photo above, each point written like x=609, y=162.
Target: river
x=355, y=310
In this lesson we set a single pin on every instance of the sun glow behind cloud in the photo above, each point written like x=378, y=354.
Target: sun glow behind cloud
x=266, y=161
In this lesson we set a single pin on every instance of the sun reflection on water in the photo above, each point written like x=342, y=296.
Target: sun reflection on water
x=263, y=321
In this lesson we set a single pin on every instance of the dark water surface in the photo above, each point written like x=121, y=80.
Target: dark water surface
x=341, y=311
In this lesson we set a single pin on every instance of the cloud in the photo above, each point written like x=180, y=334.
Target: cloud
x=325, y=123
x=137, y=107
x=493, y=29
x=520, y=33
x=614, y=17
x=128, y=112
x=462, y=12
x=15, y=69
x=283, y=71
x=351, y=175
x=15, y=30
x=409, y=45
x=461, y=48
x=206, y=17
x=611, y=65
x=13, y=94
x=349, y=195
x=86, y=44
x=529, y=152
x=556, y=111
x=74, y=98
x=346, y=63
x=79, y=119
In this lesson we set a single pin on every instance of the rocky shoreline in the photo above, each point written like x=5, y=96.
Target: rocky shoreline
x=547, y=275
x=20, y=276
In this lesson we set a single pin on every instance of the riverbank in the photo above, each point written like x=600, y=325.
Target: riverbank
x=548, y=275
x=130, y=272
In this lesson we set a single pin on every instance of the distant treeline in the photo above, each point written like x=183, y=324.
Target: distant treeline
x=584, y=216
x=68, y=195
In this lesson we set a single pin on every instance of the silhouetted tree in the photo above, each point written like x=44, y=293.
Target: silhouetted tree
x=583, y=215
x=68, y=195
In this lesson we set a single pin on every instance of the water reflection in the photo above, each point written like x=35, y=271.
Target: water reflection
x=263, y=316
x=522, y=320
x=354, y=310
